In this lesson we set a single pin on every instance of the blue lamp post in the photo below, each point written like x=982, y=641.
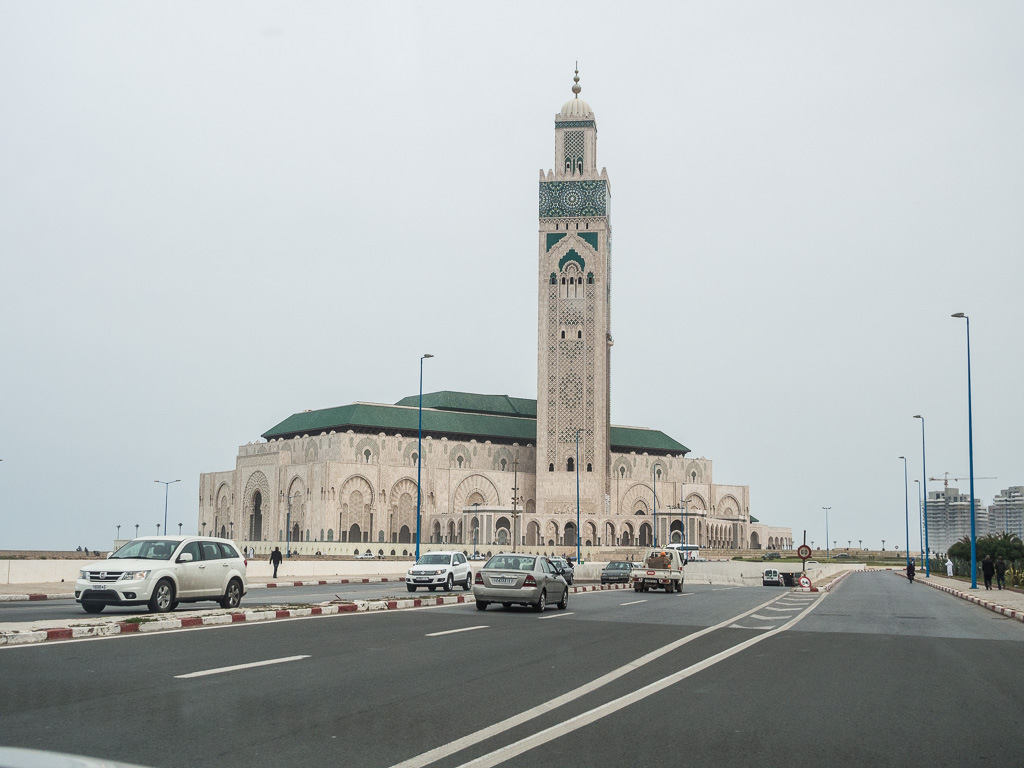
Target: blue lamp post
x=166, y=484
x=826, y=530
x=924, y=489
x=970, y=452
x=906, y=506
x=419, y=459
x=578, y=494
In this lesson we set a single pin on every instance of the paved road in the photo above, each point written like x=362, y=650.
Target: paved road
x=878, y=672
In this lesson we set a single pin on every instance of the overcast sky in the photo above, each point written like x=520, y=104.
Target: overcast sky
x=216, y=214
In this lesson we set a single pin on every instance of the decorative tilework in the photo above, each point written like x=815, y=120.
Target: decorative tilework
x=571, y=256
x=554, y=238
x=589, y=237
x=575, y=124
x=573, y=198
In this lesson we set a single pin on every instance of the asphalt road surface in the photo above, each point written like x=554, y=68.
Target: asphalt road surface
x=878, y=672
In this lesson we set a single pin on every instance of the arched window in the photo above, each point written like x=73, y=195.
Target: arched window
x=504, y=464
x=459, y=461
x=367, y=455
x=570, y=465
x=622, y=471
x=590, y=467
x=415, y=459
x=563, y=334
x=551, y=467
x=579, y=334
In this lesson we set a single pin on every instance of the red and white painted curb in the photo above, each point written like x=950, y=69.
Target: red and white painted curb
x=157, y=625
x=1002, y=610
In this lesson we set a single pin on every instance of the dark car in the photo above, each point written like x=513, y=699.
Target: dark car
x=564, y=567
x=616, y=572
x=771, y=556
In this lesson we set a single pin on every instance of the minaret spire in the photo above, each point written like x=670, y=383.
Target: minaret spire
x=576, y=81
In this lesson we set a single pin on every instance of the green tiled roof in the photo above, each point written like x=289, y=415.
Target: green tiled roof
x=457, y=415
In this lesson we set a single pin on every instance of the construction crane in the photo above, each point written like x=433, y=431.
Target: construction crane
x=945, y=480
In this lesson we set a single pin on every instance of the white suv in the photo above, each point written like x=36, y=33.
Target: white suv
x=162, y=571
x=440, y=569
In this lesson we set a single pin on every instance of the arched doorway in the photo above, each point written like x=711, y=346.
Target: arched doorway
x=256, y=518
x=354, y=534
x=404, y=536
x=570, y=535
x=645, y=535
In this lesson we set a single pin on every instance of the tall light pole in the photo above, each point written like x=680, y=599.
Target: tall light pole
x=287, y=526
x=826, y=530
x=119, y=533
x=515, y=502
x=476, y=525
x=419, y=458
x=578, y=495
x=166, y=484
x=970, y=452
x=924, y=489
x=654, y=473
x=920, y=527
x=906, y=505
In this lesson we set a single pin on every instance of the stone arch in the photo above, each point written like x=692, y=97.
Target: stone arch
x=626, y=537
x=533, y=534
x=474, y=484
x=728, y=506
x=409, y=454
x=364, y=445
x=402, y=508
x=696, y=502
x=589, y=534
x=656, y=465
x=503, y=454
x=457, y=451
x=637, y=496
x=312, y=452
x=609, y=534
x=569, y=534
x=502, y=531
x=694, y=472
x=531, y=507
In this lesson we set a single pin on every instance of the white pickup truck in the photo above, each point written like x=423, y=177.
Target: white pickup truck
x=663, y=568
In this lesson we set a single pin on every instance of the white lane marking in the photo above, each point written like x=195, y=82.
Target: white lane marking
x=453, y=631
x=723, y=589
x=766, y=618
x=635, y=602
x=557, y=615
x=236, y=667
x=586, y=718
x=439, y=753
x=740, y=626
x=782, y=610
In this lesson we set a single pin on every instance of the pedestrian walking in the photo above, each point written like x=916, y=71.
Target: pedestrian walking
x=1000, y=572
x=949, y=567
x=275, y=559
x=910, y=572
x=988, y=570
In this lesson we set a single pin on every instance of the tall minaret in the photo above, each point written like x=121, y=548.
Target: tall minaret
x=573, y=323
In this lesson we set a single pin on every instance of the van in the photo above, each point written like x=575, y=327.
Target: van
x=771, y=577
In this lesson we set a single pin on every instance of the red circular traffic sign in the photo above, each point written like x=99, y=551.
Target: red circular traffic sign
x=803, y=552
x=804, y=581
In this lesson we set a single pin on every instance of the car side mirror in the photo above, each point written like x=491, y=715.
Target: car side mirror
x=185, y=557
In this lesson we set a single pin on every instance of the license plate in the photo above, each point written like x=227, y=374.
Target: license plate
x=421, y=581
x=100, y=586
x=503, y=581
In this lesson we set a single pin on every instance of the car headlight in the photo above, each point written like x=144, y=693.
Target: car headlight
x=83, y=574
x=133, y=575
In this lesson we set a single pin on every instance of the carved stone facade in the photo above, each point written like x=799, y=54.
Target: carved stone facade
x=496, y=470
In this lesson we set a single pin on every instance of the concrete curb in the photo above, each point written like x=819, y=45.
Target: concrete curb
x=1010, y=613
x=157, y=625
x=56, y=596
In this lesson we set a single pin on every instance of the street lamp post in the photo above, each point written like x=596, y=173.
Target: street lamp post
x=924, y=487
x=179, y=528
x=287, y=527
x=158, y=529
x=826, y=530
x=515, y=502
x=119, y=533
x=920, y=527
x=476, y=525
x=578, y=495
x=419, y=458
x=970, y=453
x=230, y=522
x=166, y=484
x=906, y=506
x=654, y=473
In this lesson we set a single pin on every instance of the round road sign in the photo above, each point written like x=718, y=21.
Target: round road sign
x=804, y=581
x=803, y=552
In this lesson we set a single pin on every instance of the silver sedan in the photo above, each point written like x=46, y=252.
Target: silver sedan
x=512, y=579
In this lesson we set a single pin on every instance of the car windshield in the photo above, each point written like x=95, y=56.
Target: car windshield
x=511, y=563
x=434, y=560
x=146, y=549
x=618, y=566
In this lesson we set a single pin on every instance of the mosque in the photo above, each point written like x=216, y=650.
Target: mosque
x=493, y=471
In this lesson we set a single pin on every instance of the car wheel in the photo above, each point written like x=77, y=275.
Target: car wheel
x=564, y=602
x=481, y=605
x=506, y=606
x=232, y=596
x=162, y=599
x=431, y=587
x=449, y=584
x=636, y=587
x=469, y=581
x=542, y=602
x=679, y=586
x=411, y=587
x=92, y=607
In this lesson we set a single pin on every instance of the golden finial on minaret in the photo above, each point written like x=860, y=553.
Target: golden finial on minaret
x=576, y=81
